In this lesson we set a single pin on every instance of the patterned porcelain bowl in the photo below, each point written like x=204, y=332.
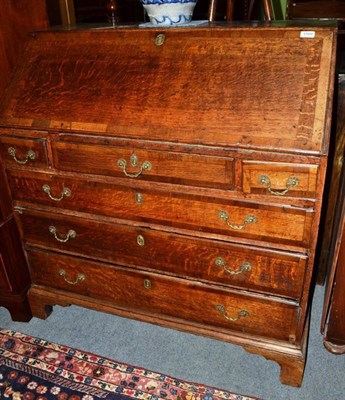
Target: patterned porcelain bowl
x=169, y=12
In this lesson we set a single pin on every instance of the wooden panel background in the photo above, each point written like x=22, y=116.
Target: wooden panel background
x=17, y=19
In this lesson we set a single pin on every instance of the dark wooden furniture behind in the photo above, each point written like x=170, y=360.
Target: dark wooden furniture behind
x=333, y=321
x=175, y=176
x=316, y=9
x=248, y=6
x=332, y=250
x=17, y=19
x=331, y=262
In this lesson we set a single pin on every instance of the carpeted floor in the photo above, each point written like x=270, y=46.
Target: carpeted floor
x=190, y=357
x=36, y=369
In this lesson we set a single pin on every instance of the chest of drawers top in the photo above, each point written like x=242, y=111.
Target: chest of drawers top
x=258, y=88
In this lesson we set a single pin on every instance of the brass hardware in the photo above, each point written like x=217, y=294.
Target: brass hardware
x=291, y=182
x=134, y=161
x=245, y=267
x=139, y=198
x=250, y=219
x=147, y=284
x=140, y=240
x=160, y=39
x=65, y=193
x=241, y=314
x=79, y=278
x=30, y=155
x=71, y=234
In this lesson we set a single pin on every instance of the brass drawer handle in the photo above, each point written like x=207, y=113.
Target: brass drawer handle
x=79, y=278
x=250, y=219
x=66, y=192
x=241, y=314
x=71, y=234
x=291, y=182
x=134, y=160
x=30, y=155
x=245, y=267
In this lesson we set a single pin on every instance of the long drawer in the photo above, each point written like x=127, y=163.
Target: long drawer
x=274, y=223
x=183, y=168
x=214, y=261
x=162, y=295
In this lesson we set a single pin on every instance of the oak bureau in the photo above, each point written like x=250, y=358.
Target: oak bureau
x=175, y=176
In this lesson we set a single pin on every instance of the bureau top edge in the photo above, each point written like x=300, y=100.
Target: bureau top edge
x=267, y=88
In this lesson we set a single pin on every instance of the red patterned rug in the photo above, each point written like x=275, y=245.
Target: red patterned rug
x=35, y=369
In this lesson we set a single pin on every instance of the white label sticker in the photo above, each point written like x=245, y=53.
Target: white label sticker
x=307, y=34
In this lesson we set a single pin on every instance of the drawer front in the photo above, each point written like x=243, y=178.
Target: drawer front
x=277, y=224
x=16, y=151
x=279, y=179
x=207, y=260
x=173, y=297
x=170, y=167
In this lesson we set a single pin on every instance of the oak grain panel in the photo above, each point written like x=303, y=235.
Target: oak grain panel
x=101, y=82
x=278, y=273
x=279, y=175
x=171, y=167
x=22, y=146
x=280, y=224
x=167, y=296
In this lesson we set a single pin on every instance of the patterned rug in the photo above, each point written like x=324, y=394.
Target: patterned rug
x=35, y=369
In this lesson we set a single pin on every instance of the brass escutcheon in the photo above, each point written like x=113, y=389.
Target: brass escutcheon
x=134, y=160
x=147, y=284
x=139, y=198
x=140, y=240
x=160, y=39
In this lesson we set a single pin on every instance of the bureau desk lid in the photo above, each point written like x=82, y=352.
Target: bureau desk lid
x=265, y=88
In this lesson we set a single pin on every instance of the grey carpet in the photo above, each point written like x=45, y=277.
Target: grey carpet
x=191, y=357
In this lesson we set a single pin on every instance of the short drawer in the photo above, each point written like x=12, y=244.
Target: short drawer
x=279, y=179
x=282, y=225
x=275, y=223
x=214, y=261
x=161, y=295
x=137, y=164
x=17, y=151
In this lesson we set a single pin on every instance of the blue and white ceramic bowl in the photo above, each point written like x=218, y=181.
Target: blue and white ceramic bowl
x=169, y=12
